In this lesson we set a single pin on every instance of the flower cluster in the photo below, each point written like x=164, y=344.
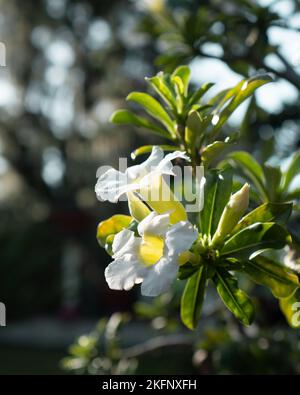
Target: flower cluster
x=163, y=237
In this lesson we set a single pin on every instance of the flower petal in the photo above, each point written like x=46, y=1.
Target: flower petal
x=154, y=224
x=124, y=273
x=125, y=243
x=165, y=166
x=112, y=184
x=159, y=277
x=138, y=171
x=180, y=237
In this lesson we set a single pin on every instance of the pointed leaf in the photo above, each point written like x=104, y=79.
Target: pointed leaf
x=154, y=108
x=234, y=298
x=196, y=96
x=126, y=117
x=160, y=85
x=255, y=237
x=192, y=298
x=183, y=72
x=217, y=191
x=267, y=212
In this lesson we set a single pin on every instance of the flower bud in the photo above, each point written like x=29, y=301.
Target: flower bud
x=233, y=211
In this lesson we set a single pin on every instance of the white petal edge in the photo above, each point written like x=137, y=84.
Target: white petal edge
x=159, y=277
x=155, y=224
x=123, y=273
x=180, y=237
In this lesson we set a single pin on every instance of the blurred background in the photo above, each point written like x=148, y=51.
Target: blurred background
x=69, y=65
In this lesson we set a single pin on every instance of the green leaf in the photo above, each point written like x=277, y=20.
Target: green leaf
x=187, y=270
x=295, y=194
x=112, y=226
x=267, y=212
x=273, y=175
x=154, y=108
x=193, y=128
x=217, y=192
x=183, y=72
x=251, y=168
x=148, y=148
x=290, y=307
x=239, y=94
x=160, y=85
x=234, y=298
x=282, y=282
x=192, y=298
x=292, y=171
x=126, y=117
x=196, y=96
x=255, y=237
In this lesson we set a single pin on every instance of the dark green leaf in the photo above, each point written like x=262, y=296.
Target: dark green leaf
x=234, y=298
x=255, y=237
x=186, y=271
x=192, y=298
x=196, y=96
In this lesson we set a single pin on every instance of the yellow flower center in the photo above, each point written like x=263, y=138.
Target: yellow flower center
x=151, y=249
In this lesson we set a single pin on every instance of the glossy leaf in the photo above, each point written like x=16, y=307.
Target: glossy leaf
x=126, y=117
x=239, y=94
x=196, y=96
x=217, y=191
x=192, y=298
x=154, y=108
x=273, y=177
x=290, y=307
x=148, y=148
x=112, y=226
x=234, y=298
x=262, y=270
x=183, y=72
x=160, y=85
x=255, y=237
x=267, y=212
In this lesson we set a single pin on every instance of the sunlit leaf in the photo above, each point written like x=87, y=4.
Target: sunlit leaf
x=183, y=72
x=282, y=282
x=290, y=307
x=126, y=117
x=154, y=108
x=112, y=226
x=267, y=212
x=148, y=148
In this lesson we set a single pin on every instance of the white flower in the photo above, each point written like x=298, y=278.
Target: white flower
x=152, y=258
x=145, y=179
x=113, y=184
